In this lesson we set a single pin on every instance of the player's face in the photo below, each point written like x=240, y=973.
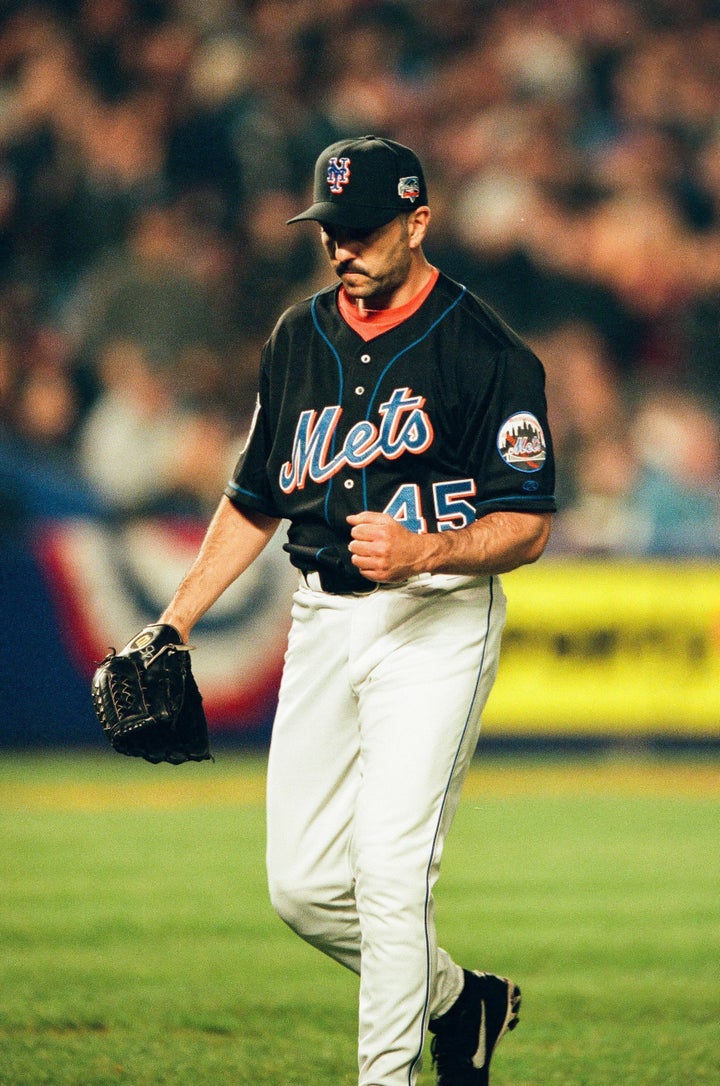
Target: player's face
x=372, y=266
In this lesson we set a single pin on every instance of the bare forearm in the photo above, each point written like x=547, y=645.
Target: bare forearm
x=232, y=542
x=497, y=543
x=384, y=550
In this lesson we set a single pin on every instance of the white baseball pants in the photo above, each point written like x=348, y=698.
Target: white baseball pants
x=378, y=719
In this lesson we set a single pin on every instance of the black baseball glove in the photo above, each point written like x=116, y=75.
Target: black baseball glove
x=147, y=700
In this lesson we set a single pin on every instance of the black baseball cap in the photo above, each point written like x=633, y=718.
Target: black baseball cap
x=363, y=183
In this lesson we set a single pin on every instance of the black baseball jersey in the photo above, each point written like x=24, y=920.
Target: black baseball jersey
x=437, y=422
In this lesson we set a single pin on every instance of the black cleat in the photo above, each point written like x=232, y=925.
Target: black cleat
x=466, y=1035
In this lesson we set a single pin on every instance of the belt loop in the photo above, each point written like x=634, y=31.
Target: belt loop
x=306, y=574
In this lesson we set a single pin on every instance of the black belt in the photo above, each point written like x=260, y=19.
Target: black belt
x=333, y=566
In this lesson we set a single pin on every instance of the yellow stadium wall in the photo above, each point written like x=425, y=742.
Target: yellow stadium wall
x=593, y=647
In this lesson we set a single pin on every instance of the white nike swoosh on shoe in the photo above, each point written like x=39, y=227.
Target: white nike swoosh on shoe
x=478, y=1059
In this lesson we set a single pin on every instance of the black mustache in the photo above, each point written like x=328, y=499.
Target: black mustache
x=348, y=266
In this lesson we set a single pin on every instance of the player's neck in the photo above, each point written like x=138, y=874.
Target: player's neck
x=420, y=273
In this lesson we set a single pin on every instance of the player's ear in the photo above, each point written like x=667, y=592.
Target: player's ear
x=417, y=224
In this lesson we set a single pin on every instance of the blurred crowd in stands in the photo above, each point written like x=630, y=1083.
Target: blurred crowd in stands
x=151, y=151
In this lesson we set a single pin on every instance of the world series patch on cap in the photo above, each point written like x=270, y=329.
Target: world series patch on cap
x=363, y=183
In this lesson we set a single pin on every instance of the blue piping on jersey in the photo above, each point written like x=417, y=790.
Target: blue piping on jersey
x=242, y=490
x=392, y=362
x=518, y=498
x=334, y=352
x=261, y=506
x=426, y=1007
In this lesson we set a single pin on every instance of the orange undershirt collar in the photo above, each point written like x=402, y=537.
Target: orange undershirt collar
x=376, y=321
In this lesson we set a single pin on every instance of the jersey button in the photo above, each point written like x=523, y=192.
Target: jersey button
x=348, y=484
x=359, y=390
x=364, y=357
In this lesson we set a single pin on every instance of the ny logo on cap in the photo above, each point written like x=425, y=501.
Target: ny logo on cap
x=338, y=173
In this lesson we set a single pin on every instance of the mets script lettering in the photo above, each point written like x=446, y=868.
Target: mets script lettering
x=528, y=446
x=403, y=427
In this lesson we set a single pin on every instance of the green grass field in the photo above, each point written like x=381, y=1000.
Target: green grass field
x=138, y=947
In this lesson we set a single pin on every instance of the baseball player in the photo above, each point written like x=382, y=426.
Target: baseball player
x=401, y=432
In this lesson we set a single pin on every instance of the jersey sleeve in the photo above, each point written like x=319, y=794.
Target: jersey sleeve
x=249, y=487
x=513, y=452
